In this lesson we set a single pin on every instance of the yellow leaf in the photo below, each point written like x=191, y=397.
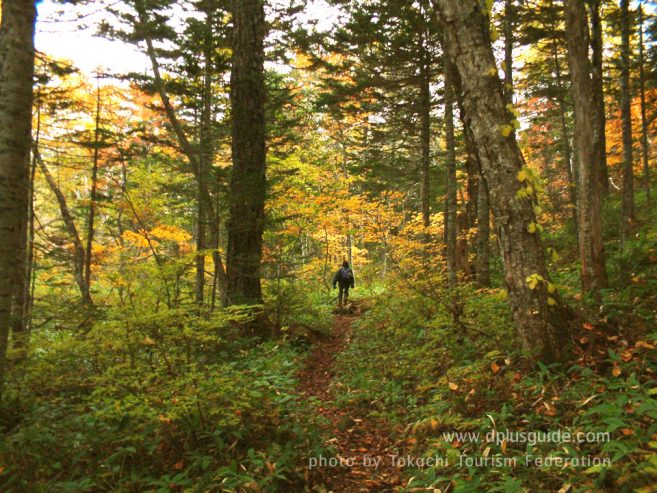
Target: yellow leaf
x=453, y=386
x=550, y=301
x=522, y=175
x=148, y=341
x=507, y=130
x=531, y=228
x=616, y=371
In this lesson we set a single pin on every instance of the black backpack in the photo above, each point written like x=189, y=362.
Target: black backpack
x=346, y=276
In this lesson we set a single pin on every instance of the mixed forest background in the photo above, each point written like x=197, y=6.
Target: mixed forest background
x=168, y=241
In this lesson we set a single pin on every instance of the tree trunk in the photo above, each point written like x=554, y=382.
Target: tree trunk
x=509, y=13
x=644, y=119
x=93, y=192
x=79, y=253
x=626, y=116
x=483, y=235
x=478, y=208
x=248, y=180
x=591, y=247
x=565, y=138
x=601, y=174
x=425, y=141
x=450, y=164
x=16, y=95
x=23, y=296
x=541, y=318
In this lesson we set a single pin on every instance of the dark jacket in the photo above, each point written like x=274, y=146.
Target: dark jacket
x=337, y=278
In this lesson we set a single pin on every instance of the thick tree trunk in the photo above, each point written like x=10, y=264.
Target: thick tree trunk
x=16, y=94
x=450, y=165
x=248, y=180
x=591, y=248
x=598, y=100
x=541, y=318
x=79, y=253
x=626, y=117
x=644, y=119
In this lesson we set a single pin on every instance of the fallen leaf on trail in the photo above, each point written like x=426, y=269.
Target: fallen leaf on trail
x=616, y=371
x=453, y=386
x=587, y=326
x=495, y=368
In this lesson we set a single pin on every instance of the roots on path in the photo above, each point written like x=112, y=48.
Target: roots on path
x=364, y=450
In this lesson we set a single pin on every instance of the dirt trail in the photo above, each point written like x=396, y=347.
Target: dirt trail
x=355, y=438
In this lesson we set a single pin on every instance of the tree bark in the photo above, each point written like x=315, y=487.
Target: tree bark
x=509, y=13
x=541, y=318
x=644, y=119
x=248, y=180
x=626, y=117
x=598, y=100
x=16, y=95
x=591, y=247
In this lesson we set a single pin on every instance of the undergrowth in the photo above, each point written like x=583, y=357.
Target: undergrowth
x=168, y=402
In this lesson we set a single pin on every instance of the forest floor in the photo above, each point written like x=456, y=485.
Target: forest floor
x=364, y=450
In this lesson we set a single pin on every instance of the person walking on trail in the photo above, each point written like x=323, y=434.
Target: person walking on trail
x=344, y=278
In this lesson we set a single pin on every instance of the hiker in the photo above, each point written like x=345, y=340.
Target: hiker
x=344, y=278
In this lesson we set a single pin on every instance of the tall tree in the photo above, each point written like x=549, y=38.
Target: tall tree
x=644, y=118
x=591, y=247
x=450, y=164
x=248, y=180
x=93, y=193
x=598, y=99
x=541, y=318
x=626, y=116
x=16, y=95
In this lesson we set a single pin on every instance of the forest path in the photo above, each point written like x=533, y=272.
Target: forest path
x=363, y=446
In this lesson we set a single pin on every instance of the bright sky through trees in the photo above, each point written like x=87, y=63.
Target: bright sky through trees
x=69, y=32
